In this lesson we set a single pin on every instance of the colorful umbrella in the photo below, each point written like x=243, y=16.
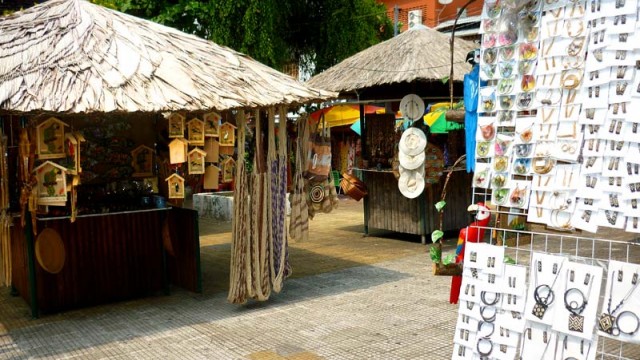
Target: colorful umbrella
x=344, y=114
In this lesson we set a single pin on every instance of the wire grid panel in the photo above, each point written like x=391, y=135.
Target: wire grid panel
x=520, y=246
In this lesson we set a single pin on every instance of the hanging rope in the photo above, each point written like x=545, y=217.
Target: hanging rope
x=240, y=274
x=299, y=226
x=278, y=167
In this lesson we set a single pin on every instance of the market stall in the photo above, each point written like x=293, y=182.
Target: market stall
x=557, y=144
x=106, y=123
x=404, y=72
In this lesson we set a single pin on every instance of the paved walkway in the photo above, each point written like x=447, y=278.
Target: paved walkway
x=350, y=297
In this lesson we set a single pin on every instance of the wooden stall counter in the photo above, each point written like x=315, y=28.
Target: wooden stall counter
x=386, y=208
x=102, y=258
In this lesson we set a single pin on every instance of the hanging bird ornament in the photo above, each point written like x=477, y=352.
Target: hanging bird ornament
x=474, y=232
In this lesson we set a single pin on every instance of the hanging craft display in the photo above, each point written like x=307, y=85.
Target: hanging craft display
x=52, y=184
x=195, y=132
x=176, y=125
x=72, y=145
x=619, y=317
x=142, y=161
x=196, y=161
x=50, y=251
x=211, y=124
x=228, y=169
x=50, y=135
x=212, y=148
x=227, y=134
x=178, y=149
x=211, y=177
x=175, y=183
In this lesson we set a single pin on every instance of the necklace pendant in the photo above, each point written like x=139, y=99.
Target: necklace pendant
x=605, y=322
x=539, y=309
x=576, y=322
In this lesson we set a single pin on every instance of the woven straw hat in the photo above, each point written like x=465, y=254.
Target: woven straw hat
x=411, y=184
x=413, y=141
x=50, y=251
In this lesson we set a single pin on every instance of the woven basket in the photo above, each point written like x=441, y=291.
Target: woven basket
x=353, y=187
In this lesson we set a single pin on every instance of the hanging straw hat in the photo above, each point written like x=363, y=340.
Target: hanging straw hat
x=411, y=184
x=410, y=162
x=50, y=251
x=413, y=141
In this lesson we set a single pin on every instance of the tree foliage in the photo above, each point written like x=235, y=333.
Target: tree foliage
x=316, y=34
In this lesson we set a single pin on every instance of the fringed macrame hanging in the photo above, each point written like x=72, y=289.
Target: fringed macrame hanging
x=240, y=274
x=260, y=265
x=299, y=219
x=278, y=180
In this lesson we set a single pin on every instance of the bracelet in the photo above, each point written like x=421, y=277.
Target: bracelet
x=481, y=326
x=483, y=298
x=627, y=332
x=573, y=306
x=486, y=352
x=491, y=318
x=542, y=165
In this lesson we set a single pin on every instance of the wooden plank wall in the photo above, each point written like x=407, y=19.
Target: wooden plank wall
x=108, y=258
x=390, y=210
x=19, y=264
x=184, y=264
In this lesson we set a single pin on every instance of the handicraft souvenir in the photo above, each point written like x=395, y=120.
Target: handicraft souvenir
x=50, y=139
x=175, y=184
x=176, y=125
x=142, y=161
x=195, y=132
x=211, y=124
x=52, y=184
x=196, y=161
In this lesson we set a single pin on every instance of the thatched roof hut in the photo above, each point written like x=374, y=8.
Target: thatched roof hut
x=71, y=56
x=419, y=54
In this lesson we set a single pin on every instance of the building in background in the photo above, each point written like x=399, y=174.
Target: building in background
x=434, y=15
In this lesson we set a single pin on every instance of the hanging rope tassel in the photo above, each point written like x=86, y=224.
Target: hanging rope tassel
x=239, y=278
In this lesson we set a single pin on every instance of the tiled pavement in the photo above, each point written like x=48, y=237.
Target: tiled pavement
x=350, y=297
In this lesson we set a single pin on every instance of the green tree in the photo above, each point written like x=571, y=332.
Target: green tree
x=316, y=34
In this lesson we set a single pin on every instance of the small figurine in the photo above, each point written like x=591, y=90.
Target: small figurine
x=474, y=232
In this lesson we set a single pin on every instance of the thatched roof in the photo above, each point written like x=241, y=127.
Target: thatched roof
x=420, y=53
x=73, y=56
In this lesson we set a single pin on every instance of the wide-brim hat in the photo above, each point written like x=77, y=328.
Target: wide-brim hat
x=411, y=162
x=402, y=170
x=413, y=141
x=411, y=184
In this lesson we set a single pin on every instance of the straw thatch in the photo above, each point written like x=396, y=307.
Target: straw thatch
x=73, y=56
x=417, y=54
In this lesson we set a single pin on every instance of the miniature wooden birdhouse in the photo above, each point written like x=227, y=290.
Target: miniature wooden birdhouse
x=176, y=125
x=52, y=184
x=176, y=186
x=211, y=177
x=211, y=124
x=178, y=149
x=212, y=148
x=196, y=161
x=228, y=169
x=227, y=134
x=195, y=132
x=51, y=139
x=142, y=161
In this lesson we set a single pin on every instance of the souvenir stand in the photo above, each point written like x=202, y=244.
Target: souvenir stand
x=89, y=157
x=423, y=55
x=559, y=145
